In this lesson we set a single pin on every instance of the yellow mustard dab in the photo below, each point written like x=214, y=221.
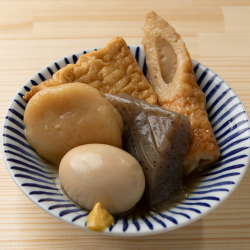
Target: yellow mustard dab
x=99, y=219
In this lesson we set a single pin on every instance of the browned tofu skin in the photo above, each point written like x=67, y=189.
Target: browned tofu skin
x=171, y=72
x=112, y=70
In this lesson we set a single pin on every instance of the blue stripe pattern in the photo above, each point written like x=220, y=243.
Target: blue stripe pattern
x=32, y=178
x=18, y=133
x=13, y=111
x=147, y=222
x=45, y=193
x=220, y=109
x=159, y=221
x=17, y=123
x=136, y=223
x=57, y=66
x=33, y=82
x=208, y=84
x=18, y=149
x=125, y=224
x=50, y=71
x=169, y=218
x=20, y=104
x=61, y=206
x=211, y=191
x=200, y=80
x=29, y=166
x=79, y=216
x=51, y=199
x=137, y=54
x=74, y=57
x=115, y=222
x=66, y=60
x=229, y=122
x=23, y=157
x=20, y=169
x=213, y=91
x=41, y=77
x=217, y=100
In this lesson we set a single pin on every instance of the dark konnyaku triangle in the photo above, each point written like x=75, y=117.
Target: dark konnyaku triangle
x=159, y=140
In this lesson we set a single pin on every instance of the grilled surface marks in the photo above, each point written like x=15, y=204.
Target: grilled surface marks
x=112, y=69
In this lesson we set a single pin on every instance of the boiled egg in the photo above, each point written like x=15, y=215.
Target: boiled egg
x=102, y=173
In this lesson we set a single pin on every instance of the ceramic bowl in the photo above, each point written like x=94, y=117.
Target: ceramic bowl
x=39, y=181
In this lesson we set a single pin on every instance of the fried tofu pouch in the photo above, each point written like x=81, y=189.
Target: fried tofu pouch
x=171, y=73
x=112, y=69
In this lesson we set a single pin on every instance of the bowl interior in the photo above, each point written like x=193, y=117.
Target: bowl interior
x=39, y=179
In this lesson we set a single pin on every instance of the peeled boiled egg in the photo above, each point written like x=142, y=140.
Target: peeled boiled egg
x=102, y=173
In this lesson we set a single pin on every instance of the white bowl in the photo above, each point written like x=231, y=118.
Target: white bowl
x=39, y=180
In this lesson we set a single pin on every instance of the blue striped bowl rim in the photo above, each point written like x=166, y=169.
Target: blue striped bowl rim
x=39, y=180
